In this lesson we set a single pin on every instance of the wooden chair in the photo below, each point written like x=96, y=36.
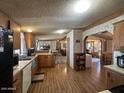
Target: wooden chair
x=107, y=58
x=79, y=61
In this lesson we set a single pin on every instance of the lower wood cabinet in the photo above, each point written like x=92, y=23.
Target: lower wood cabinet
x=46, y=61
x=113, y=79
x=17, y=83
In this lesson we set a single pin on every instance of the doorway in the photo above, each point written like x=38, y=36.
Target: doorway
x=94, y=48
x=61, y=56
x=99, y=46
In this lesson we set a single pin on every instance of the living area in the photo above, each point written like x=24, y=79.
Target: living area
x=99, y=47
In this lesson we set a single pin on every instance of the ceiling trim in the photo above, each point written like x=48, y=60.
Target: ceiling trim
x=105, y=19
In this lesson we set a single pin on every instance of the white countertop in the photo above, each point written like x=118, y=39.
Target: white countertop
x=44, y=53
x=22, y=64
x=105, y=91
x=115, y=68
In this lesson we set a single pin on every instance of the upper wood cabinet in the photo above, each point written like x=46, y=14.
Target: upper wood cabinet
x=30, y=41
x=118, y=38
x=3, y=20
x=16, y=35
x=13, y=26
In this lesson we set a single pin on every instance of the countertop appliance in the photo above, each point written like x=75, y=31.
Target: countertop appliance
x=6, y=61
x=15, y=59
x=30, y=51
x=120, y=61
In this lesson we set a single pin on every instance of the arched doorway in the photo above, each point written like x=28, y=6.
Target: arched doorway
x=99, y=46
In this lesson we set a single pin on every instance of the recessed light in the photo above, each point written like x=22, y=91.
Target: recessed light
x=81, y=6
x=29, y=30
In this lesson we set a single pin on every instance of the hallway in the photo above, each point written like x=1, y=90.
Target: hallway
x=63, y=79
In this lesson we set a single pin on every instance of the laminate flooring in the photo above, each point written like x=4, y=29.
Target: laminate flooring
x=63, y=79
x=60, y=59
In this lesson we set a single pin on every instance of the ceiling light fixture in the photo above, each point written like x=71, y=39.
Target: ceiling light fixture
x=81, y=6
x=61, y=31
x=29, y=30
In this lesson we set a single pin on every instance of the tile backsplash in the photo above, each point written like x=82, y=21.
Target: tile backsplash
x=115, y=54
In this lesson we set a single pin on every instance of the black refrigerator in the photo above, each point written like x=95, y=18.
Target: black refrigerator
x=6, y=61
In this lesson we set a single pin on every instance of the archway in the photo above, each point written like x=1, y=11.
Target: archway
x=100, y=45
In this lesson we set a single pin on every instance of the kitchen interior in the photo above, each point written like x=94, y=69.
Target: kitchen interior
x=51, y=51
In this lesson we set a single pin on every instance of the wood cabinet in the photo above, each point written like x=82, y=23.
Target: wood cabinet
x=46, y=61
x=15, y=27
x=118, y=38
x=16, y=40
x=30, y=41
x=17, y=83
x=16, y=34
x=113, y=79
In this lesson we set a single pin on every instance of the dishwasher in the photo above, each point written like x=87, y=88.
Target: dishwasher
x=26, y=78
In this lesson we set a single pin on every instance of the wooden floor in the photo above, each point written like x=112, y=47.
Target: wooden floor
x=63, y=79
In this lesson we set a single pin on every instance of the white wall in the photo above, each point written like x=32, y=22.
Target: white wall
x=109, y=46
x=52, y=44
x=107, y=26
x=62, y=44
x=74, y=46
x=77, y=45
x=48, y=37
x=23, y=44
x=71, y=54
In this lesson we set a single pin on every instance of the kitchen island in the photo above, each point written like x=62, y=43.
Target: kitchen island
x=45, y=60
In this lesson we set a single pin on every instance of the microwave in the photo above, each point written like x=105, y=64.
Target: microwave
x=15, y=59
x=120, y=61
